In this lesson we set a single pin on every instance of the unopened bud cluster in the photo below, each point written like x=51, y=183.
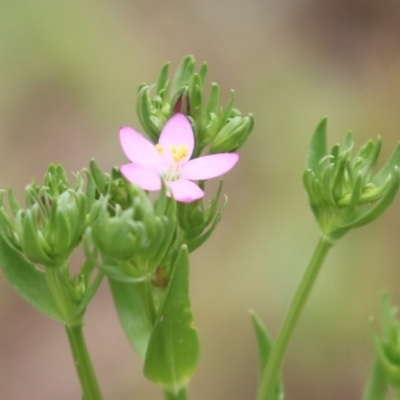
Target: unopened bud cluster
x=52, y=224
x=344, y=191
x=221, y=129
x=387, y=344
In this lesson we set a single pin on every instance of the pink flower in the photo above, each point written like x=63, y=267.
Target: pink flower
x=170, y=160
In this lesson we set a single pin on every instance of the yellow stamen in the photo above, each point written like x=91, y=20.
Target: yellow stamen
x=179, y=152
x=159, y=148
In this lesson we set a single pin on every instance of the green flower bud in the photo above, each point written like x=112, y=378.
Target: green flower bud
x=232, y=135
x=387, y=345
x=54, y=220
x=223, y=128
x=136, y=240
x=344, y=192
x=194, y=219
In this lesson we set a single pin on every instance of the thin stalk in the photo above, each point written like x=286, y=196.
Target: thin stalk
x=269, y=378
x=83, y=365
x=182, y=395
x=59, y=292
x=66, y=307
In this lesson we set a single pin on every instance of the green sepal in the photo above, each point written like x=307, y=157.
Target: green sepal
x=233, y=134
x=226, y=113
x=318, y=146
x=386, y=371
x=144, y=110
x=213, y=100
x=162, y=81
x=367, y=215
x=88, y=296
x=98, y=176
x=12, y=200
x=391, y=163
x=173, y=348
x=131, y=309
x=182, y=75
x=203, y=72
x=32, y=242
x=195, y=243
x=27, y=280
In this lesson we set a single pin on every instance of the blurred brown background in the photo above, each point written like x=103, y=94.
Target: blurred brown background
x=69, y=71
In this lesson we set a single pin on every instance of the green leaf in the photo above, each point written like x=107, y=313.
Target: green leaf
x=27, y=280
x=174, y=346
x=264, y=350
x=318, y=146
x=263, y=340
x=131, y=310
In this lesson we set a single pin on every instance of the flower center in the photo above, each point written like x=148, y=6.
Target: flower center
x=178, y=153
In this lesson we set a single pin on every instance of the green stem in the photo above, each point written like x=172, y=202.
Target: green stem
x=269, y=378
x=83, y=365
x=376, y=387
x=182, y=395
x=66, y=307
x=59, y=292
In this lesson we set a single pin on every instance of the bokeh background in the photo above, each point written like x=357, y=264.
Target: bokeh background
x=69, y=71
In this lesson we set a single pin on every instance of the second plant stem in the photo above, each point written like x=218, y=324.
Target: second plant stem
x=270, y=376
x=83, y=364
x=74, y=330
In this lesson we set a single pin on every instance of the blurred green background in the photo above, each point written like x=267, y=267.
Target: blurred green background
x=69, y=71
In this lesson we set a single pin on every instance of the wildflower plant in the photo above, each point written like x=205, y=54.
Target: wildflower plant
x=141, y=244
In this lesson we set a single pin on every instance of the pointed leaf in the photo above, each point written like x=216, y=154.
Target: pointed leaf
x=27, y=280
x=318, y=146
x=174, y=346
x=264, y=350
x=263, y=340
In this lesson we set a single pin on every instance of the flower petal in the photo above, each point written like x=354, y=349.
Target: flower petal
x=208, y=167
x=185, y=191
x=177, y=131
x=137, y=148
x=145, y=176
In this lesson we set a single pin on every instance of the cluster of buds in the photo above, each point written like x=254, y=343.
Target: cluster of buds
x=54, y=220
x=387, y=346
x=194, y=218
x=133, y=241
x=138, y=240
x=344, y=192
x=220, y=129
